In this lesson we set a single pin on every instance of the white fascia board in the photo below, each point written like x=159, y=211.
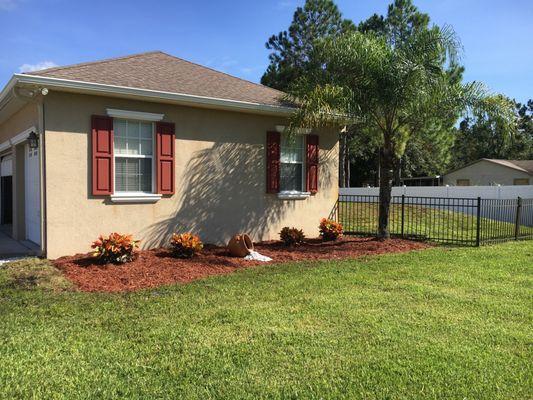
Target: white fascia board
x=6, y=91
x=185, y=99
x=139, y=115
x=19, y=138
x=297, y=131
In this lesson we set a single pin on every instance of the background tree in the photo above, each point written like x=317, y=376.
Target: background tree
x=290, y=50
x=428, y=152
x=486, y=136
x=388, y=89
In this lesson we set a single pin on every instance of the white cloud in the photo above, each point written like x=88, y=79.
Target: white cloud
x=38, y=66
x=7, y=5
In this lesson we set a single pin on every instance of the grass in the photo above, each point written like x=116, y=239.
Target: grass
x=434, y=324
x=440, y=224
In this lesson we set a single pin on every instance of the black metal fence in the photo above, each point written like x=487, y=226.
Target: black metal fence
x=460, y=221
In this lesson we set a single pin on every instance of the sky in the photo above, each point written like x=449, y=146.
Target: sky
x=230, y=36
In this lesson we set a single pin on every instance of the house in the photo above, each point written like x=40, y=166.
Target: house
x=150, y=144
x=487, y=172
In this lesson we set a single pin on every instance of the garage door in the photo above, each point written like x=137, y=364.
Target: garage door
x=6, y=190
x=32, y=196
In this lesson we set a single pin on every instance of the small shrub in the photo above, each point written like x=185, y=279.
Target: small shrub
x=291, y=236
x=115, y=248
x=185, y=245
x=329, y=229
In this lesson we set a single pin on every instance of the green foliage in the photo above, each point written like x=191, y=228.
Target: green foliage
x=485, y=135
x=185, y=245
x=292, y=236
x=329, y=229
x=433, y=324
x=116, y=248
x=392, y=89
x=291, y=50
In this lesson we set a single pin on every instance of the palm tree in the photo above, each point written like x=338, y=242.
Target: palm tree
x=388, y=88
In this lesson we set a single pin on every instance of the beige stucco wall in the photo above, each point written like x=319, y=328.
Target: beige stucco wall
x=23, y=119
x=220, y=179
x=485, y=173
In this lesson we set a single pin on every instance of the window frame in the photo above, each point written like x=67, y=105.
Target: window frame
x=515, y=180
x=119, y=194
x=462, y=180
x=294, y=194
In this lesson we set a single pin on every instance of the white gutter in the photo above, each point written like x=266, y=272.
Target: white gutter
x=6, y=91
x=185, y=99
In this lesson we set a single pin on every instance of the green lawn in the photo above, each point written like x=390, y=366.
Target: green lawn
x=443, y=323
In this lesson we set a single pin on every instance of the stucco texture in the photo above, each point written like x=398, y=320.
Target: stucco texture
x=485, y=173
x=220, y=179
x=23, y=119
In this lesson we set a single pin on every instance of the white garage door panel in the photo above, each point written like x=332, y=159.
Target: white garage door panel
x=32, y=197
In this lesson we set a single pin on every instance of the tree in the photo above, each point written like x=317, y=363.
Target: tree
x=389, y=88
x=429, y=150
x=291, y=49
x=484, y=135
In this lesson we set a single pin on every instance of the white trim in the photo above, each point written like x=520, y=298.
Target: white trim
x=181, y=98
x=293, y=195
x=303, y=163
x=298, y=131
x=4, y=146
x=6, y=91
x=139, y=115
x=22, y=136
x=135, y=197
x=136, y=156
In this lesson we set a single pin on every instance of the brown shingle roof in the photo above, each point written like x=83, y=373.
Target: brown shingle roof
x=525, y=165
x=162, y=72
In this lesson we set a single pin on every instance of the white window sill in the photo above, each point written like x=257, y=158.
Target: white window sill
x=135, y=198
x=293, y=195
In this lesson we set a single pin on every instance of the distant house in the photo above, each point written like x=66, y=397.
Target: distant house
x=151, y=144
x=487, y=172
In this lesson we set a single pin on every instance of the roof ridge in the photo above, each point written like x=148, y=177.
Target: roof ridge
x=105, y=60
x=221, y=72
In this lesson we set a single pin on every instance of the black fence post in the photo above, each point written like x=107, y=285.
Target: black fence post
x=478, y=222
x=403, y=213
x=517, y=218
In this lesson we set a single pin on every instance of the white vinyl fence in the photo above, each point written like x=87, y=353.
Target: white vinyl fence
x=485, y=192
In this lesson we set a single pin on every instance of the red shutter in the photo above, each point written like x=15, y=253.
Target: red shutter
x=272, y=159
x=312, y=163
x=102, y=155
x=165, y=157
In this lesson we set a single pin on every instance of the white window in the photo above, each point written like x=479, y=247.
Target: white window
x=134, y=164
x=463, y=182
x=292, y=163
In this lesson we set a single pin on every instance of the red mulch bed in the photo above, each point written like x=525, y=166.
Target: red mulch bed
x=157, y=267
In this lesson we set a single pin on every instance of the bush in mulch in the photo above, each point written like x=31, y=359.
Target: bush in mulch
x=292, y=236
x=158, y=267
x=329, y=229
x=186, y=245
x=116, y=248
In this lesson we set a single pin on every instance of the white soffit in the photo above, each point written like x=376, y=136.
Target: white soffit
x=126, y=114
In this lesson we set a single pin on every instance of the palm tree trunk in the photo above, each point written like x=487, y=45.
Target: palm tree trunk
x=385, y=190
